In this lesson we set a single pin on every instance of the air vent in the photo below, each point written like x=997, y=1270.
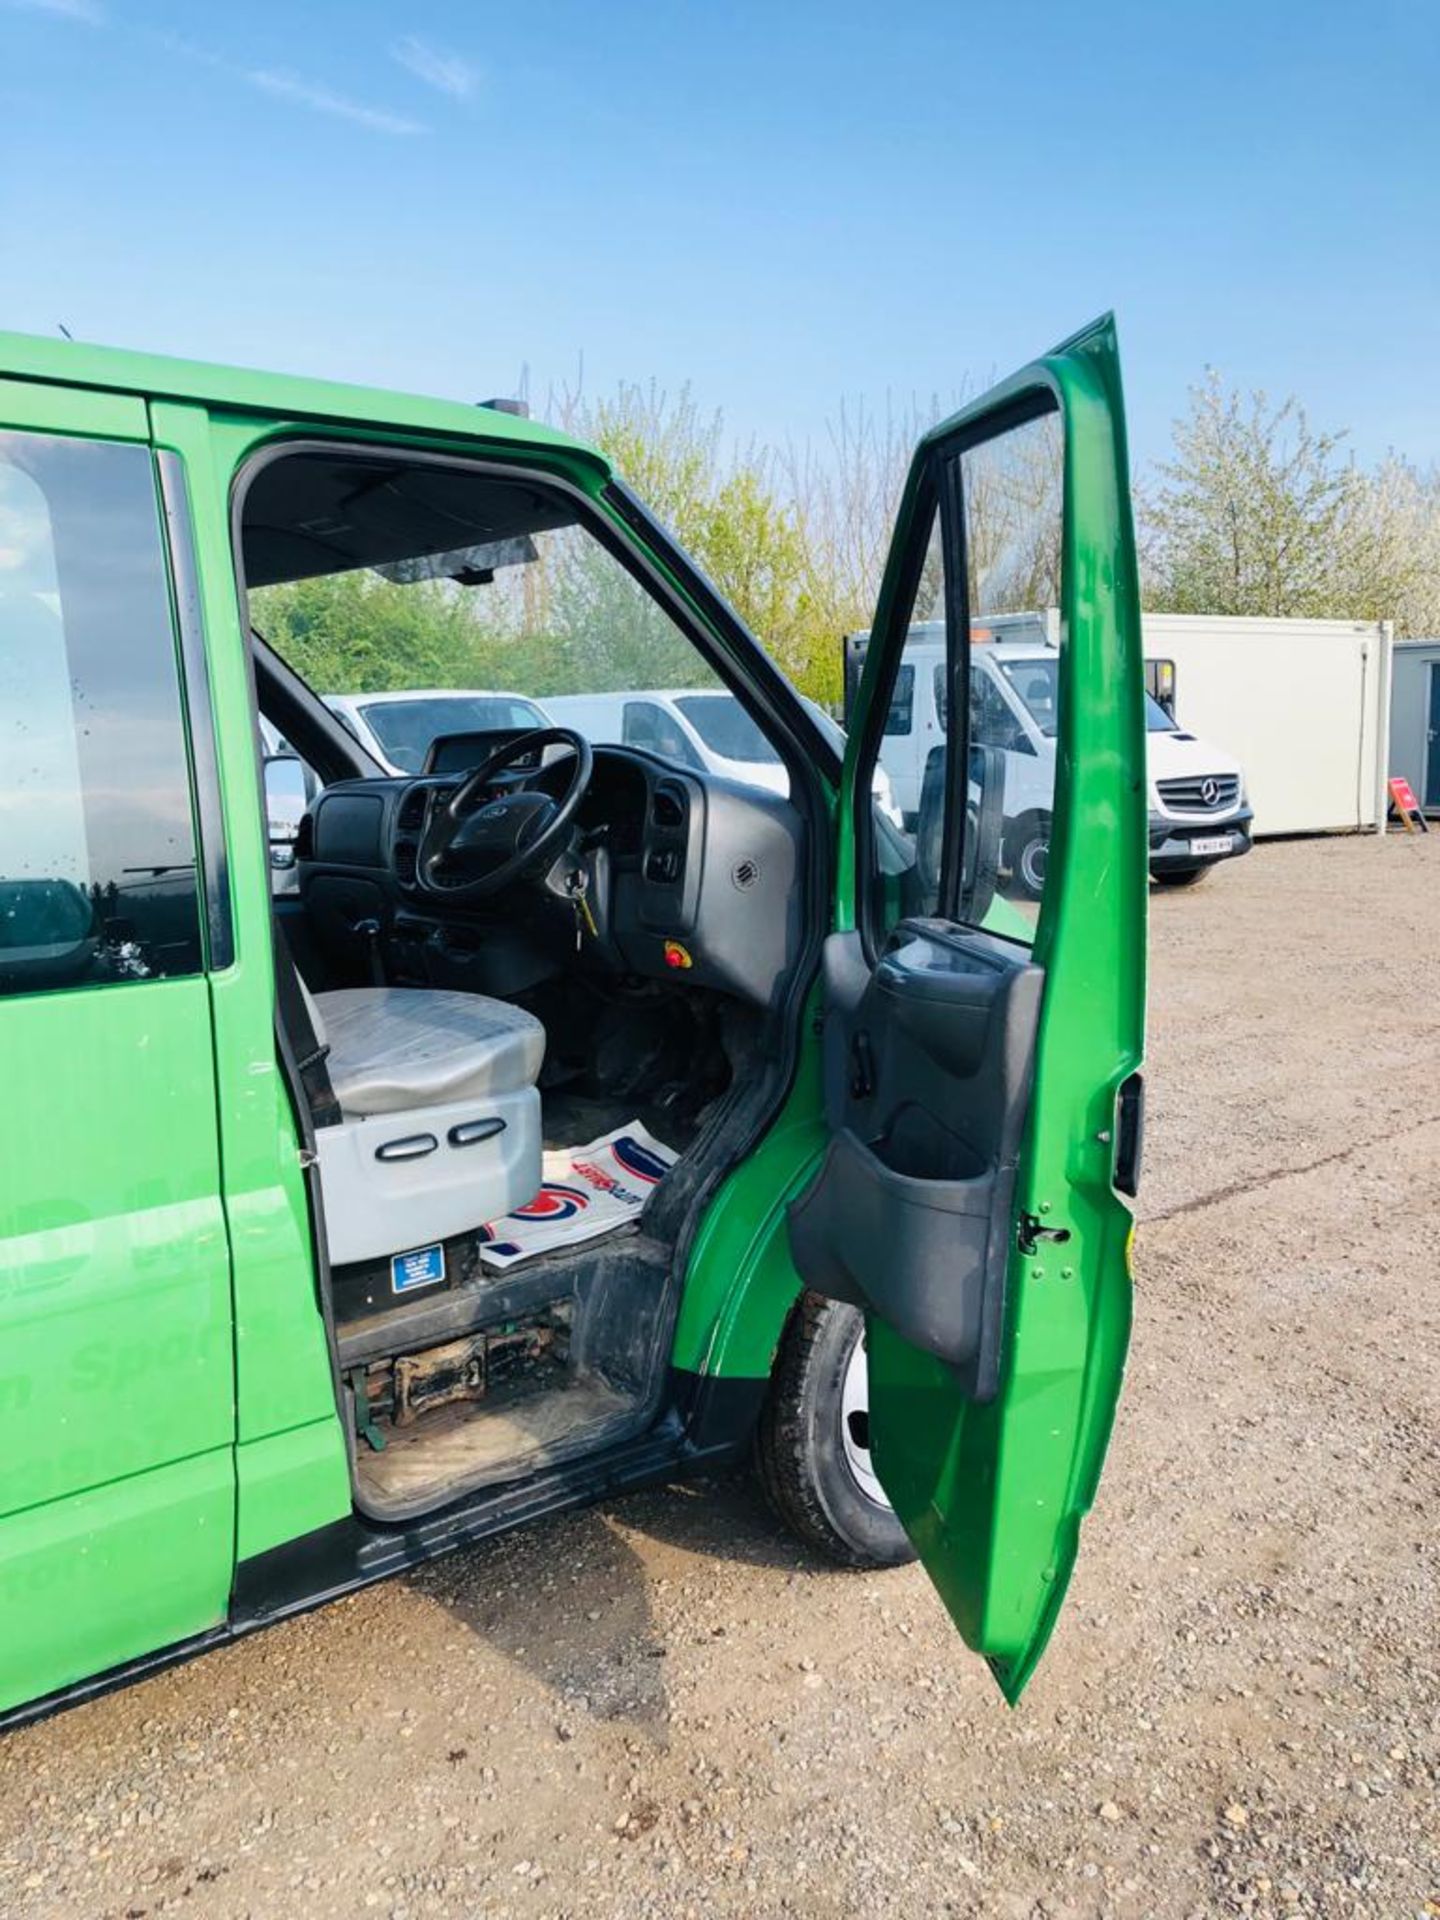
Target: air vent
x=667, y=809
x=405, y=854
x=412, y=811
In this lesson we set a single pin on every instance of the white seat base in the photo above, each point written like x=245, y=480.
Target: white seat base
x=376, y=1207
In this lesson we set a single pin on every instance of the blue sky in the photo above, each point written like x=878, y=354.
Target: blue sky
x=784, y=204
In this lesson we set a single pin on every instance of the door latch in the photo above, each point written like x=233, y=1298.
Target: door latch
x=1030, y=1231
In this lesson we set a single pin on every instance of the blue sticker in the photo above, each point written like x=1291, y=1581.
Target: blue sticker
x=422, y=1268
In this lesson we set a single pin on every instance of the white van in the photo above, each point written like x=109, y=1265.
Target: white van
x=704, y=728
x=399, y=727
x=1199, y=813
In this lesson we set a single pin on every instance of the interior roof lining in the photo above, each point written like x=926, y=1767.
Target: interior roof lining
x=313, y=513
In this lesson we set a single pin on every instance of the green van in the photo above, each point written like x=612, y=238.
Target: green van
x=471, y=1143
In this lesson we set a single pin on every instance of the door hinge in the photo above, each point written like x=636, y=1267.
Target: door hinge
x=1030, y=1231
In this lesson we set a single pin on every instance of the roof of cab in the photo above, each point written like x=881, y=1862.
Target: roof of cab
x=74, y=363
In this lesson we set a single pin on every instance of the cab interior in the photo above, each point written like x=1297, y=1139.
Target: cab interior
x=533, y=946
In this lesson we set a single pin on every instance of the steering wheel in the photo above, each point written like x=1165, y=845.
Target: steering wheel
x=469, y=855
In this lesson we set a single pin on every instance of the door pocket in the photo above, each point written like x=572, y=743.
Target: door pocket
x=926, y=1255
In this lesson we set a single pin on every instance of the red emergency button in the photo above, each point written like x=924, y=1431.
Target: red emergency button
x=676, y=955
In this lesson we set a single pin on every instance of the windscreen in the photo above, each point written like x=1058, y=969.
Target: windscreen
x=725, y=727
x=1037, y=683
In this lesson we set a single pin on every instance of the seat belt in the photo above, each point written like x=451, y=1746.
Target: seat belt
x=309, y=1049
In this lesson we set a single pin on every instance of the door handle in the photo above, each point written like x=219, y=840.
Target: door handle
x=1129, y=1135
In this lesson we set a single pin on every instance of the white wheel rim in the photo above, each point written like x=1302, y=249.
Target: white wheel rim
x=855, y=1424
x=1032, y=864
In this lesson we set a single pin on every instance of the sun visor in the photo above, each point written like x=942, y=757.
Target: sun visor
x=471, y=566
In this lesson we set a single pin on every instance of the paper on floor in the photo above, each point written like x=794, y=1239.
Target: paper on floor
x=586, y=1191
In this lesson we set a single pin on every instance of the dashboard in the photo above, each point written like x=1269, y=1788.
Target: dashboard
x=691, y=878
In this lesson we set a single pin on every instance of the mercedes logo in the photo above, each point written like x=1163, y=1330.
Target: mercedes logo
x=1209, y=791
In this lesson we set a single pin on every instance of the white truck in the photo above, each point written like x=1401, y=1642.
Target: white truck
x=1199, y=812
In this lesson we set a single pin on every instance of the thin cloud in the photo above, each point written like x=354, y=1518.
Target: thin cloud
x=88, y=12
x=281, y=84
x=305, y=93
x=445, y=72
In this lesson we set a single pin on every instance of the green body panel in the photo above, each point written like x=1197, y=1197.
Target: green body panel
x=26, y=407
x=113, y=1573
x=291, y=1465
x=740, y=1282
x=993, y=1496
x=272, y=397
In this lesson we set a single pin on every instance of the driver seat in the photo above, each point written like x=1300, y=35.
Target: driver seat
x=439, y=1128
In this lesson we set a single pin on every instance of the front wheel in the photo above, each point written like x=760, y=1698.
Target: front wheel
x=812, y=1450
x=1029, y=851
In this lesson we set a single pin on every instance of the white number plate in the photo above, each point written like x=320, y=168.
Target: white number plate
x=1212, y=843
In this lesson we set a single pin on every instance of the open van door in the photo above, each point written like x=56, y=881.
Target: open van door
x=981, y=1052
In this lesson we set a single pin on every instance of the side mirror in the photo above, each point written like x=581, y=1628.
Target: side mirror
x=985, y=833
x=287, y=796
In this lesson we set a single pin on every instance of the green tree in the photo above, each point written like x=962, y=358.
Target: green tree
x=1257, y=513
x=727, y=509
x=358, y=633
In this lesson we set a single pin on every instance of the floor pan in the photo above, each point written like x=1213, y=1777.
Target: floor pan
x=458, y=1449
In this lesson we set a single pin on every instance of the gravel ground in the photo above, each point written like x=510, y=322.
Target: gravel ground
x=663, y=1708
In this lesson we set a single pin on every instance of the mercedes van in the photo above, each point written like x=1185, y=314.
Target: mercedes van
x=1199, y=811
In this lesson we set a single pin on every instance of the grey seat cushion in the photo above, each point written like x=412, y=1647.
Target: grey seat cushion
x=392, y=1048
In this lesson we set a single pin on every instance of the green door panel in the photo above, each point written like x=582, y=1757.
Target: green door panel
x=285, y=1391
x=115, y=1351
x=105, y=1576
x=992, y=1494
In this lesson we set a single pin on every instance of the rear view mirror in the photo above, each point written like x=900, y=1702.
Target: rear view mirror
x=287, y=796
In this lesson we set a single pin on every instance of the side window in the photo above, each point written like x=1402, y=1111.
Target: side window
x=98, y=880
x=974, y=796
x=914, y=755
x=1012, y=490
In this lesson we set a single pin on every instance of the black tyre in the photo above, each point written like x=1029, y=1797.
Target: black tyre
x=812, y=1448
x=1028, y=850
x=1183, y=877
